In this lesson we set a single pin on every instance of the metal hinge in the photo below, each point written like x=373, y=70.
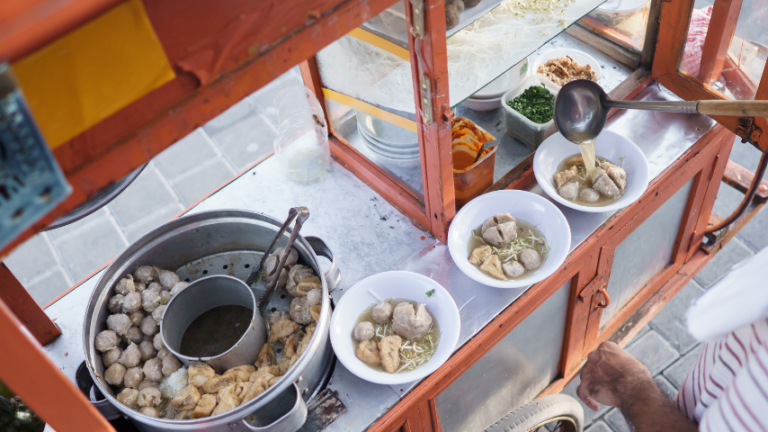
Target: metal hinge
x=748, y=130
x=426, y=99
x=417, y=13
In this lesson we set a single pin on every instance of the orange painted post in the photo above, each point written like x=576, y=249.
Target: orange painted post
x=725, y=14
x=26, y=369
x=25, y=308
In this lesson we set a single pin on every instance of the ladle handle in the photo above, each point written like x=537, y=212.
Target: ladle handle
x=685, y=107
x=755, y=108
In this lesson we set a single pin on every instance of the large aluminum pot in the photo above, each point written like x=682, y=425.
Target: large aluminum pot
x=216, y=234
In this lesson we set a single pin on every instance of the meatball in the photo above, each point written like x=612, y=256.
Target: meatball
x=589, y=195
x=569, y=190
x=153, y=370
x=167, y=279
x=133, y=335
x=453, y=9
x=364, y=331
x=299, y=311
x=155, y=286
x=157, y=314
x=165, y=297
x=147, y=350
x=382, y=312
x=128, y=397
x=501, y=234
x=133, y=377
x=170, y=365
x=146, y=383
x=150, y=397
x=148, y=326
x=115, y=304
x=131, y=302
x=106, y=340
x=530, y=258
x=315, y=297
x=111, y=357
x=131, y=356
x=513, y=269
x=157, y=342
x=411, y=323
x=178, y=287
x=149, y=411
x=140, y=286
x=119, y=323
x=114, y=374
x=163, y=353
x=145, y=274
x=136, y=317
x=150, y=300
x=499, y=219
x=125, y=286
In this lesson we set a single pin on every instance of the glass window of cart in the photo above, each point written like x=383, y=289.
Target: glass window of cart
x=623, y=21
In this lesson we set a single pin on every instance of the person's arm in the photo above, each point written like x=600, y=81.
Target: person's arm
x=613, y=377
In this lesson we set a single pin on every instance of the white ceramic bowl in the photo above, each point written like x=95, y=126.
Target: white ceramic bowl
x=398, y=285
x=505, y=82
x=527, y=206
x=579, y=57
x=482, y=104
x=609, y=145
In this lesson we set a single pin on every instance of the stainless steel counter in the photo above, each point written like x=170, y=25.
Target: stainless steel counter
x=368, y=236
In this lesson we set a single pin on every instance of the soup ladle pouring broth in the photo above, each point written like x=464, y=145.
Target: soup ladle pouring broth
x=582, y=106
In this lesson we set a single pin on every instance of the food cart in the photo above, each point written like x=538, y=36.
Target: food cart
x=376, y=216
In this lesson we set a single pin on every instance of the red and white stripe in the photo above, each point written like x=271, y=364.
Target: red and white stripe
x=727, y=389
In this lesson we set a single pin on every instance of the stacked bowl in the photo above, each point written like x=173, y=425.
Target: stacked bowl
x=389, y=142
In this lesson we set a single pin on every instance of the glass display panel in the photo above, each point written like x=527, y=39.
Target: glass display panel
x=622, y=20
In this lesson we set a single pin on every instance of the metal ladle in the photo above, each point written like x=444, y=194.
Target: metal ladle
x=581, y=109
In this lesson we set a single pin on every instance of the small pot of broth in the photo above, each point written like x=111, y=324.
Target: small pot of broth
x=214, y=320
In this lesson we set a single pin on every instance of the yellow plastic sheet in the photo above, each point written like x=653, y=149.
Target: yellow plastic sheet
x=92, y=72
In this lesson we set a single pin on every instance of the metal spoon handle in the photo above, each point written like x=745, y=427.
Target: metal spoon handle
x=686, y=107
x=302, y=217
x=255, y=273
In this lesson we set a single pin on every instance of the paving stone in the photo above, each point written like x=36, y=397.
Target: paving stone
x=148, y=193
x=728, y=200
x=244, y=108
x=599, y=426
x=653, y=351
x=589, y=415
x=203, y=180
x=670, y=321
x=677, y=372
x=666, y=387
x=32, y=259
x=186, y=155
x=755, y=233
x=616, y=420
x=733, y=253
x=77, y=226
x=152, y=221
x=90, y=247
x=49, y=286
x=745, y=155
x=246, y=142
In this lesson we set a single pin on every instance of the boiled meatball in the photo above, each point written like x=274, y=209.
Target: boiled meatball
x=157, y=342
x=368, y=353
x=513, y=269
x=389, y=349
x=145, y=274
x=140, y=286
x=178, y=287
x=111, y=357
x=165, y=297
x=128, y=397
x=125, y=286
x=131, y=302
x=170, y=365
x=106, y=340
x=158, y=313
x=115, y=304
x=502, y=234
x=499, y=219
x=150, y=397
x=411, y=323
x=530, y=258
x=589, y=195
x=382, y=312
x=299, y=311
x=133, y=377
x=453, y=10
x=155, y=286
x=569, y=190
x=136, y=317
x=133, y=335
x=131, y=356
x=146, y=383
x=167, y=279
x=119, y=323
x=163, y=353
x=295, y=276
x=147, y=350
x=148, y=326
x=153, y=370
x=364, y=331
x=149, y=411
x=315, y=297
x=150, y=300
x=114, y=374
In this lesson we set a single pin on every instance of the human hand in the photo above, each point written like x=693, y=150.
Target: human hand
x=612, y=377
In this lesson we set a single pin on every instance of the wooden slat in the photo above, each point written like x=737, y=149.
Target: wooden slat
x=725, y=15
x=26, y=309
x=741, y=178
x=673, y=31
x=651, y=34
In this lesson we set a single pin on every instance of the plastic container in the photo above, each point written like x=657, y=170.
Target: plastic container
x=518, y=126
x=301, y=146
x=579, y=57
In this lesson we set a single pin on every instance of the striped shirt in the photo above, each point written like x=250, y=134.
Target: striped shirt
x=727, y=389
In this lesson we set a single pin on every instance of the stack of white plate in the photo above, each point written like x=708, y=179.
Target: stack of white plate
x=389, y=142
x=489, y=97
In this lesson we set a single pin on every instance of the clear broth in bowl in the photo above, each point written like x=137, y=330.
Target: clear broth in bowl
x=526, y=232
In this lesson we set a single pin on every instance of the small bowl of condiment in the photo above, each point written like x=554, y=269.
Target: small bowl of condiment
x=528, y=111
x=563, y=65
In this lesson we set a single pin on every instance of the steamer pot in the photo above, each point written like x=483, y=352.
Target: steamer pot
x=222, y=242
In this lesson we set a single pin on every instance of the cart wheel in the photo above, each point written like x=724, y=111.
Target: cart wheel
x=552, y=409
